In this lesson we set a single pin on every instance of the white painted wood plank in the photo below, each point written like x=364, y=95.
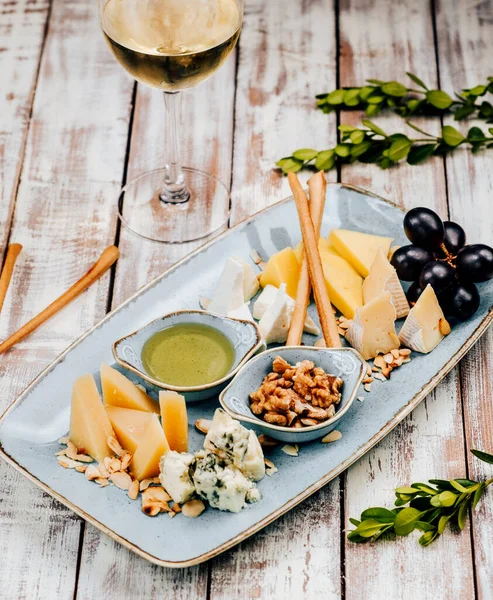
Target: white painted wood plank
x=207, y=122
x=465, y=46
x=74, y=160
x=286, y=56
x=392, y=39
x=22, y=28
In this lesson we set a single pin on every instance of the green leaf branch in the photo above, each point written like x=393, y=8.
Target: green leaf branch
x=426, y=507
x=370, y=144
x=419, y=99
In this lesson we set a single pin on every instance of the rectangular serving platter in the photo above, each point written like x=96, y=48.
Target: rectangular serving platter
x=31, y=426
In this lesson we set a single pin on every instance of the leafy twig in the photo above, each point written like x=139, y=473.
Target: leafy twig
x=407, y=101
x=427, y=507
x=370, y=144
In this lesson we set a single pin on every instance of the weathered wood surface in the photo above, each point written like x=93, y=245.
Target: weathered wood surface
x=73, y=157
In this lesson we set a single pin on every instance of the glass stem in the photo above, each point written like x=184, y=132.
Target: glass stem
x=174, y=188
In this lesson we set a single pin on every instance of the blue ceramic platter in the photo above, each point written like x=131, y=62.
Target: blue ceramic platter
x=30, y=428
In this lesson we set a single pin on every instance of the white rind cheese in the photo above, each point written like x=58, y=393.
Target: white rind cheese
x=267, y=299
x=175, y=475
x=222, y=485
x=228, y=294
x=421, y=330
x=383, y=278
x=372, y=331
x=243, y=313
x=274, y=325
x=250, y=281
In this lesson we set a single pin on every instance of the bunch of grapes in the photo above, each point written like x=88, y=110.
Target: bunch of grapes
x=438, y=256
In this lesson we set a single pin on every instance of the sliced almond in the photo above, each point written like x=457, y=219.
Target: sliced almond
x=102, y=481
x=203, y=425
x=115, y=446
x=68, y=463
x=368, y=379
x=61, y=452
x=308, y=422
x=71, y=450
x=380, y=377
x=171, y=514
x=379, y=361
x=367, y=386
x=193, y=508
x=398, y=361
x=81, y=468
x=270, y=467
x=151, y=509
x=176, y=508
x=115, y=465
x=360, y=398
x=344, y=325
x=267, y=442
x=368, y=370
x=375, y=370
x=84, y=458
x=257, y=259
x=64, y=440
x=406, y=360
x=157, y=494
x=144, y=484
x=333, y=436
x=388, y=358
x=121, y=479
x=133, y=490
x=204, y=302
x=103, y=470
x=290, y=450
x=395, y=353
x=126, y=461
x=92, y=472
x=444, y=326
x=404, y=352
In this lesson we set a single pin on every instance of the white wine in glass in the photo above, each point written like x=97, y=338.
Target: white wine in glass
x=172, y=45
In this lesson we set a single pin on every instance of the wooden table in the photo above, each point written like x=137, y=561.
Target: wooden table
x=73, y=126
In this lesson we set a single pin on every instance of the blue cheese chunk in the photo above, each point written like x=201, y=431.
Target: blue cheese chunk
x=227, y=438
x=221, y=484
x=253, y=465
x=175, y=475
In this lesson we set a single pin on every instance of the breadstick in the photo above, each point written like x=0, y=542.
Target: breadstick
x=317, y=185
x=107, y=258
x=322, y=300
x=8, y=269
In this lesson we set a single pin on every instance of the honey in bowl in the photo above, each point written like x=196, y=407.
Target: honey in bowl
x=188, y=355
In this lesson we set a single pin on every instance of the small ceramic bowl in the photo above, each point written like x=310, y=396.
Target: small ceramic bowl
x=343, y=362
x=244, y=335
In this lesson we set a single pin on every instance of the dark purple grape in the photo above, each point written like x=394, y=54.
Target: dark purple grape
x=463, y=303
x=409, y=261
x=424, y=228
x=455, y=237
x=440, y=275
x=475, y=263
x=414, y=292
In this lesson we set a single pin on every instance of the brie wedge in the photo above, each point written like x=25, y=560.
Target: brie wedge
x=274, y=325
x=229, y=291
x=242, y=312
x=267, y=298
x=383, y=278
x=421, y=330
x=372, y=331
x=250, y=281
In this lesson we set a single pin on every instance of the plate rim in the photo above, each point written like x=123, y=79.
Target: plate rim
x=341, y=467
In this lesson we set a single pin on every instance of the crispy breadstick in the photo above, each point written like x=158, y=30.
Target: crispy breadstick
x=322, y=300
x=107, y=258
x=317, y=185
x=8, y=269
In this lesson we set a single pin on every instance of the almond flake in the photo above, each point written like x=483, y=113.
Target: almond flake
x=102, y=481
x=368, y=379
x=270, y=467
x=64, y=440
x=379, y=361
x=204, y=302
x=133, y=490
x=114, y=465
x=126, y=461
x=121, y=479
x=344, y=325
x=395, y=353
x=406, y=360
x=84, y=458
x=267, y=442
x=333, y=436
x=404, y=352
x=203, y=425
x=92, y=472
x=144, y=484
x=171, y=514
x=360, y=398
x=157, y=494
x=398, y=361
x=81, y=468
x=115, y=446
x=380, y=377
x=375, y=370
x=257, y=259
x=176, y=508
x=290, y=450
x=71, y=450
x=388, y=358
x=103, y=470
x=151, y=509
x=367, y=386
x=193, y=508
x=68, y=463
x=368, y=370
x=62, y=452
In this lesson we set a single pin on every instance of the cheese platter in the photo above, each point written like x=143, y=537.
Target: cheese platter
x=154, y=444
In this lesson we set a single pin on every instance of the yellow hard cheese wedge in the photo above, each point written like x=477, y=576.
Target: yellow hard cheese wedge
x=129, y=425
x=359, y=249
x=425, y=326
x=323, y=244
x=145, y=461
x=90, y=427
x=383, y=278
x=282, y=267
x=372, y=331
x=120, y=391
x=174, y=419
x=343, y=283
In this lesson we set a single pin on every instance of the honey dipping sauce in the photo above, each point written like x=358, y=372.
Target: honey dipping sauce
x=188, y=354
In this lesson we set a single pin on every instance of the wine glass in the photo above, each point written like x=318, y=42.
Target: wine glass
x=172, y=45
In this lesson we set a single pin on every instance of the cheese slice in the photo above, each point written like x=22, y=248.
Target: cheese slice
x=120, y=391
x=421, y=330
x=243, y=313
x=90, y=427
x=268, y=296
x=282, y=267
x=174, y=420
x=344, y=284
x=359, y=249
x=145, y=461
x=372, y=331
x=129, y=425
x=383, y=278
x=228, y=293
x=250, y=280
x=274, y=325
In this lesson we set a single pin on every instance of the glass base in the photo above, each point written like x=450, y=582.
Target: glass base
x=142, y=210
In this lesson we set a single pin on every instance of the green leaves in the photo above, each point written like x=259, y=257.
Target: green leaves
x=399, y=148
x=451, y=136
x=439, y=99
x=431, y=507
x=305, y=154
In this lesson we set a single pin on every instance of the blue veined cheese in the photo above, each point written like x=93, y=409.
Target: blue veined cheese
x=253, y=465
x=175, y=475
x=221, y=484
x=227, y=438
